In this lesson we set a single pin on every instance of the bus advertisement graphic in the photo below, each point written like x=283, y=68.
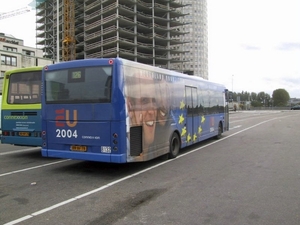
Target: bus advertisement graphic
x=117, y=110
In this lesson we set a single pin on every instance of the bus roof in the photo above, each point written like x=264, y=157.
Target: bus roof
x=26, y=69
x=95, y=62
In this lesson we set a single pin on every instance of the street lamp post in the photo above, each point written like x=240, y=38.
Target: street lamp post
x=232, y=87
x=232, y=83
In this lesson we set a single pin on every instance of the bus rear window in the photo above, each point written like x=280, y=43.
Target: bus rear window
x=79, y=85
x=24, y=88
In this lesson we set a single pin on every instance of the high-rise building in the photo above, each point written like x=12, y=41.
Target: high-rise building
x=145, y=30
x=196, y=38
x=148, y=31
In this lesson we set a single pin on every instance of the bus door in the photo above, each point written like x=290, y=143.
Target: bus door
x=192, y=114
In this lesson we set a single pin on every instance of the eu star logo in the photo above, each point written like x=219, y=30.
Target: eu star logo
x=203, y=119
x=183, y=131
x=199, y=130
x=194, y=137
x=181, y=119
x=182, y=105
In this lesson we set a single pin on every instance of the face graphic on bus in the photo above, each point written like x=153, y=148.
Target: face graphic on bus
x=142, y=108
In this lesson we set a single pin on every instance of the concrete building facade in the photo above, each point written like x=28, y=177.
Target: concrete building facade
x=167, y=33
x=196, y=39
x=15, y=55
x=144, y=31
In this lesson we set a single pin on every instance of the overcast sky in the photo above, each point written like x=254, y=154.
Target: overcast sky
x=253, y=45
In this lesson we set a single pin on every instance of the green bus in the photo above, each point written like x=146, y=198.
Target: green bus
x=21, y=107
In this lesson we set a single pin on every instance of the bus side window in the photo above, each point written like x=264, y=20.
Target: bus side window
x=64, y=94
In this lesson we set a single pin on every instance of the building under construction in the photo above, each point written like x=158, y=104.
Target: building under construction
x=146, y=31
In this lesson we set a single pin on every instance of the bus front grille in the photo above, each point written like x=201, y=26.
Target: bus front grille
x=136, y=141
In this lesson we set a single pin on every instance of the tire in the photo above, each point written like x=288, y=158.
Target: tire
x=219, y=135
x=174, y=146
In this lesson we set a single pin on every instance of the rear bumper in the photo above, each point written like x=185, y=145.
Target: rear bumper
x=24, y=141
x=98, y=157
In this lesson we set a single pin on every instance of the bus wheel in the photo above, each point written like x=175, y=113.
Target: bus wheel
x=219, y=135
x=174, y=146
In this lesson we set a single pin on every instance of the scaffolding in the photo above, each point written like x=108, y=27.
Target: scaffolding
x=146, y=31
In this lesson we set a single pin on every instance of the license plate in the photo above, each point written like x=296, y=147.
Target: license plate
x=79, y=148
x=24, y=134
x=105, y=149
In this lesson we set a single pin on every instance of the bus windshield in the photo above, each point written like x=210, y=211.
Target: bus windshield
x=24, y=88
x=79, y=85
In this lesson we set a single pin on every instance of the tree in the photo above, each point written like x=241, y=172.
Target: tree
x=280, y=97
x=253, y=96
x=256, y=103
x=261, y=96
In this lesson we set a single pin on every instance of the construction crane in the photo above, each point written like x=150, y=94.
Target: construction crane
x=68, y=41
x=14, y=13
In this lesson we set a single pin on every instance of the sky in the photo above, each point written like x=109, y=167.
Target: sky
x=253, y=45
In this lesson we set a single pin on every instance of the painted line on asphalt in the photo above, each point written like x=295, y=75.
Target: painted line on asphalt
x=235, y=127
x=129, y=176
x=32, y=168
x=20, y=151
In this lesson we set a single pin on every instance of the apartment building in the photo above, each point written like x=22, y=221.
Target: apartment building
x=15, y=55
x=196, y=38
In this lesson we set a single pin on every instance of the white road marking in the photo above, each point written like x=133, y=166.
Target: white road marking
x=32, y=168
x=20, y=151
x=238, y=126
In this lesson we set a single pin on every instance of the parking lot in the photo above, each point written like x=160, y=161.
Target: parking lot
x=250, y=176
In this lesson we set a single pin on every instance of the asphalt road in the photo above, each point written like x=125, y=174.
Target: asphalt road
x=250, y=176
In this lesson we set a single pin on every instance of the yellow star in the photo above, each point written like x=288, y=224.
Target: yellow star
x=203, y=119
x=195, y=137
x=181, y=119
x=182, y=105
x=183, y=131
x=199, y=130
x=189, y=138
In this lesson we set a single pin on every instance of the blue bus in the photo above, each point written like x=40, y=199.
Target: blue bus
x=21, y=107
x=120, y=111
